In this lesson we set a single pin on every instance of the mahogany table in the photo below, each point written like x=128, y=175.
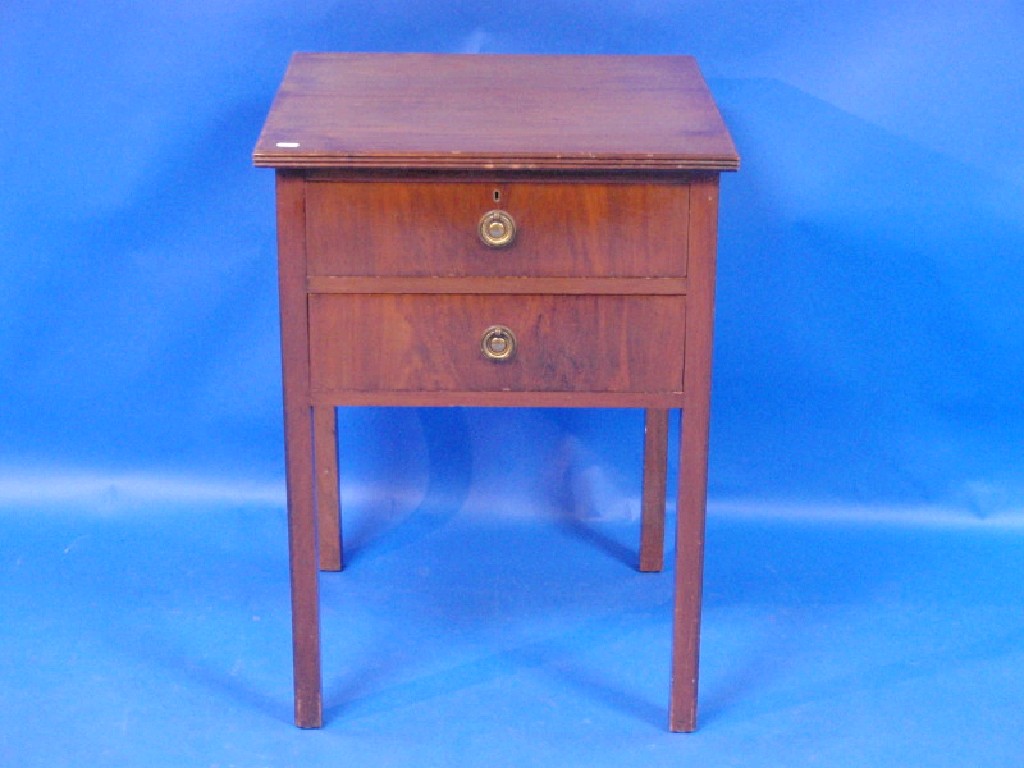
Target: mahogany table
x=495, y=231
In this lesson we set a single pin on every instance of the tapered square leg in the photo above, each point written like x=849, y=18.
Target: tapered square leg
x=652, y=504
x=302, y=547
x=693, y=463
x=689, y=570
x=328, y=507
x=298, y=443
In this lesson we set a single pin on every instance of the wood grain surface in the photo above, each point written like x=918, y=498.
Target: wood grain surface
x=609, y=167
x=691, y=495
x=493, y=112
x=421, y=228
x=328, y=493
x=640, y=286
x=425, y=343
x=298, y=434
x=652, y=500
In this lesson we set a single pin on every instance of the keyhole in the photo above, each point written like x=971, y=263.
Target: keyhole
x=497, y=196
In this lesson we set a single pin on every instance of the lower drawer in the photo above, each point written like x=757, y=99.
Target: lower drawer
x=433, y=343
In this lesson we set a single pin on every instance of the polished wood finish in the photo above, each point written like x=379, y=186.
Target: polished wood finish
x=291, y=244
x=652, y=502
x=562, y=230
x=693, y=462
x=427, y=343
x=643, y=286
x=488, y=113
x=505, y=399
x=328, y=494
x=609, y=167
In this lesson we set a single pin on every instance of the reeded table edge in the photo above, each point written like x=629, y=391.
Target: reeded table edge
x=495, y=162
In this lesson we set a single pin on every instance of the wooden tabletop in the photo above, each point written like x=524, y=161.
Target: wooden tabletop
x=494, y=112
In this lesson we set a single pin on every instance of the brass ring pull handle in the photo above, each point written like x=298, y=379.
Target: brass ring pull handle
x=497, y=229
x=498, y=343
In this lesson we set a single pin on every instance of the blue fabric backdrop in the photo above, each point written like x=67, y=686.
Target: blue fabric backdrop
x=863, y=593
x=870, y=334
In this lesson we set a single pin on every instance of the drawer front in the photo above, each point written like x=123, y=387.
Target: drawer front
x=432, y=229
x=432, y=343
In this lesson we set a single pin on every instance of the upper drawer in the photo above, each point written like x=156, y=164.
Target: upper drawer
x=383, y=228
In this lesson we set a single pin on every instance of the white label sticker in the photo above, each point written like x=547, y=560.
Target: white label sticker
x=287, y=144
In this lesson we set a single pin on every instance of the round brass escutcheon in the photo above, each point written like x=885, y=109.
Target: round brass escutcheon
x=498, y=343
x=497, y=229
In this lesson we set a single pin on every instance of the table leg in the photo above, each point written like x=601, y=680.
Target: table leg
x=689, y=571
x=304, y=572
x=693, y=461
x=298, y=443
x=652, y=505
x=328, y=506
